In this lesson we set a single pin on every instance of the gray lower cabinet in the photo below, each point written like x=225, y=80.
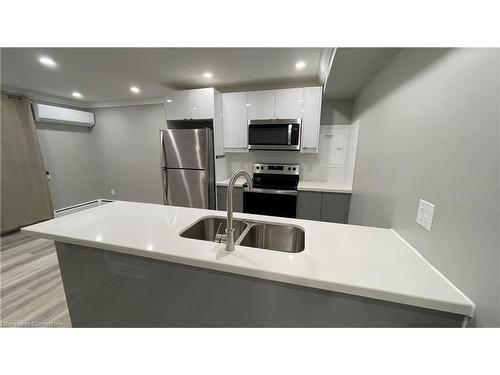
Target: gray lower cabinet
x=237, y=198
x=331, y=207
x=110, y=289
x=309, y=205
x=335, y=207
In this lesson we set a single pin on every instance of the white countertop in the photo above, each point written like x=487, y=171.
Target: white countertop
x=363, y=261
x=239, y=182
x=324, y=186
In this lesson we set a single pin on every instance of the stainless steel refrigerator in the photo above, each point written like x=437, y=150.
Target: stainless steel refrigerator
x=188, y=169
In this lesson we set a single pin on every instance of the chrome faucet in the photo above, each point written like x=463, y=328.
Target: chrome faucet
x=229, y=206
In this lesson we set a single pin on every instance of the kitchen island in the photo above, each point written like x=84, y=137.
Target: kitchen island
x=125, y=264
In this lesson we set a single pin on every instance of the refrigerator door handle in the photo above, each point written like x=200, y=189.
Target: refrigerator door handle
x=163, y=168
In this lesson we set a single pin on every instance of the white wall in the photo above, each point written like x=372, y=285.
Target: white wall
x=429, y=128
x=336, y=111
x=121, y=152
x=128, y=140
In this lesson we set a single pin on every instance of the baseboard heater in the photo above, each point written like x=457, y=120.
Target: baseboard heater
x=80, y=207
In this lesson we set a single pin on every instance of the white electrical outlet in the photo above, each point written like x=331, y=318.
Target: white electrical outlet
x=112, y=192
x=425, y=214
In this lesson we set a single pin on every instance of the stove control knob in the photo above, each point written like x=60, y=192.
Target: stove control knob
x=289, y=168
x=294, y=168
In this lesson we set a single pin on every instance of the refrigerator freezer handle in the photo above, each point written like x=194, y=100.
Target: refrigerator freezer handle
x=163, y=168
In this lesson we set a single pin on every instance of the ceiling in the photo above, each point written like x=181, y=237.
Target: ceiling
x=354, y=68
x=104, y=75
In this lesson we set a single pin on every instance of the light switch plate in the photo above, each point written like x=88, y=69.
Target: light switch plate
x=425, y=214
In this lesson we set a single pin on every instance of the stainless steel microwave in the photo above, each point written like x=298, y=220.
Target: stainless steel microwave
x=274, y=134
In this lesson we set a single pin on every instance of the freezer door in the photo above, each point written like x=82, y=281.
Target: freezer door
x=186, y=148
x=187, y=188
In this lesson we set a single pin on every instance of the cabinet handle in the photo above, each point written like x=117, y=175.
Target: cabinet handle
x=308, y=147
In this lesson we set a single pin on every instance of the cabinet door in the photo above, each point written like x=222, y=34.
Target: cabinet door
x=261, y=104
x=218, y=124
x=309, y=205
x=335, y=207
x=311, y=119
x=201, y=103
x=235, y=121
x=289, y=103
x=177, y=105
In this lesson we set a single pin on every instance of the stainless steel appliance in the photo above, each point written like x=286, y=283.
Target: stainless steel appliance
x=274, y=190
x=187, y=167
x=281, y=134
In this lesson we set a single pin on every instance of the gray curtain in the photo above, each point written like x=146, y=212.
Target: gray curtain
x=25, y=197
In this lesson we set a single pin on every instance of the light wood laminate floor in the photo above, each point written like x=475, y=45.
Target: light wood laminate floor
x=32, y=293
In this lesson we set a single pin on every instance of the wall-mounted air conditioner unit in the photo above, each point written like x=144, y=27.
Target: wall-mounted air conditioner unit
x=59, y=115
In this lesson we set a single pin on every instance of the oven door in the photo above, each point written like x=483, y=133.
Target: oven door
x=274, y=134
x=270, y=202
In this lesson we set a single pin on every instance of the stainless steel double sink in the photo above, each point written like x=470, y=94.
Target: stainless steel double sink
x=269, y=236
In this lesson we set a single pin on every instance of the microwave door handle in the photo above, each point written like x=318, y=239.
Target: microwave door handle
x=289, y=134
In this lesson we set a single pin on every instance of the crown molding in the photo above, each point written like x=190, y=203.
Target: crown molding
x=325, y=65
x=42, y=97
x=126, y=103
x=52, y=99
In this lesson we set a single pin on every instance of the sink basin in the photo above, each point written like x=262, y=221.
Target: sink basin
x=206, y=228
x=277, y=237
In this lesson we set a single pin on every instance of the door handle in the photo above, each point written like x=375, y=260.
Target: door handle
x=163, y=168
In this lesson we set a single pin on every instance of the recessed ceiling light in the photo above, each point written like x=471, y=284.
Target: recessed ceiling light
x=47, y=61
x=76, y=94
x=207, y=75
x=135, y=89
x=169, y=100
x=300, y=65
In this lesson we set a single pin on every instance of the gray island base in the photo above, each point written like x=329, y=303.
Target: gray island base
x=111, y=289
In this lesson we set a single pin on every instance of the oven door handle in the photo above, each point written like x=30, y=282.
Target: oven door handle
x=289, y=134
x=272, y=191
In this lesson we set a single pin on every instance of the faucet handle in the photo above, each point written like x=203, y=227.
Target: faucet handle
x=220, y=237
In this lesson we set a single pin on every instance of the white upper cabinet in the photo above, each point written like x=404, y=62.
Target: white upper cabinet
x=261, y=104
x=235, y=121
x=201, y=103
x=240, y=107
x=198, y=104
x=289, y=103
x=190, y=104
x=177, y=105
x=311, y=119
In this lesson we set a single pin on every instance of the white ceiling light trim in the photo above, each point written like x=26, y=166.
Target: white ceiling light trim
x=299, y=65
x=47, y=61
